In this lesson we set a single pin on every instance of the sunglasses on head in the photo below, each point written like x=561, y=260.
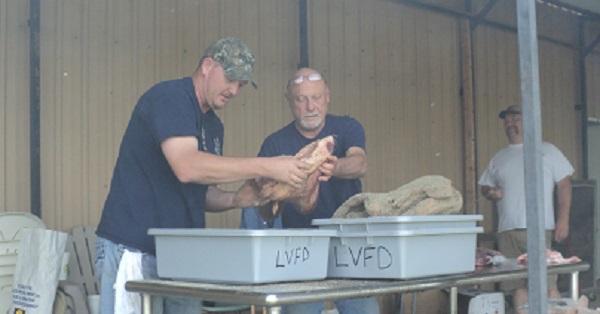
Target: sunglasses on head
x=311, y=77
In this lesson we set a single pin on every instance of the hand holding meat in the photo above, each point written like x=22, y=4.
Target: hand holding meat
x=290, y=170
x=304, y=195
x=327, y=168
x=248, y=195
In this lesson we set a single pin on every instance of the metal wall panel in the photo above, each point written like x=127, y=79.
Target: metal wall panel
x=14, y=106
x=553, y=22
x=396, y=69
x=99, y=56
x=497, y=86
x=593, y=84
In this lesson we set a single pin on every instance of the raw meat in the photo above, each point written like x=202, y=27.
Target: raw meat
x=314, y=154
x=552, y=258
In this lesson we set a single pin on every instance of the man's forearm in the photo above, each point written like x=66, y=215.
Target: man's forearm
x=351, y=167
x=564, y=193
x=218, y=200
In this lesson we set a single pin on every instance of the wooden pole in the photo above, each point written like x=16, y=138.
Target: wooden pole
x=468, y=116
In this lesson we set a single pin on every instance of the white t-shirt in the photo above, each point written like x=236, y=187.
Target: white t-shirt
x=506, y=171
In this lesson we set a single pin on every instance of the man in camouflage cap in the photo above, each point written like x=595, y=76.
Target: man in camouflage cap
x=170, y=162
x=234, y=56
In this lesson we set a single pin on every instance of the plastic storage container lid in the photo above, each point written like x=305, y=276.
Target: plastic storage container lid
x=208, y=232
x=395, y=219
x=413, y=233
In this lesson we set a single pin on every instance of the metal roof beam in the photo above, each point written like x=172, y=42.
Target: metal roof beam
x=586, y=13
x=589, y=48
x=435, y=8
x=466, y=15
x=477, y=19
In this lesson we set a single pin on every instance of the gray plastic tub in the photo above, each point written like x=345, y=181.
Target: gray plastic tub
x=394, y=223
x=403, y=254
x=242, y=256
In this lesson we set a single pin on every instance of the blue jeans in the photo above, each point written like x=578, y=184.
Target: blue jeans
x=108, y=256
x=348, y=306
x=251, y=219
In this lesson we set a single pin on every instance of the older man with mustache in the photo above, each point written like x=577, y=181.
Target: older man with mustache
x=308, y=97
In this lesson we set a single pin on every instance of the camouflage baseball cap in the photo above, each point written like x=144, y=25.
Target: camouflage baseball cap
x=234, y=56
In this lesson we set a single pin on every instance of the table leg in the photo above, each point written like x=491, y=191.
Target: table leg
x=146, y=303
x=256, y=310
x=575, y=285
x=453, y=300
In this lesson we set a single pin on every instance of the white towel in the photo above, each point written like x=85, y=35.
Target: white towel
x=130, y=268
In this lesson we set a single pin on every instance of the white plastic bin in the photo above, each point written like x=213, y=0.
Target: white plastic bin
x=395, y=223
x=242, y=256
x=403, y=254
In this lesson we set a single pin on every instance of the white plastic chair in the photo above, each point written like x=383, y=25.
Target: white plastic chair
x=11, y=224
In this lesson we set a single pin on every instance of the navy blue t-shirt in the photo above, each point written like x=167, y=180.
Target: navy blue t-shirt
x=288, y=141
x=144, y=191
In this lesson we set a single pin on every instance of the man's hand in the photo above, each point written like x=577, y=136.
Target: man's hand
x=564, y=193
x=307, y=201
x=561, y=231
x=327, y=168
x=288, y=169
x=492, y=193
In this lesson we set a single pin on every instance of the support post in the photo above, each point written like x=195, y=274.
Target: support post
x=303, y=27
x=582, y=97
x=534, y=202
x=34, y=108
x=468, y=116
x=575, y=286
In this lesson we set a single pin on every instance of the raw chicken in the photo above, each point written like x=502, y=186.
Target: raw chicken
x=314, y=154
x=552, y=258
x=487, y=257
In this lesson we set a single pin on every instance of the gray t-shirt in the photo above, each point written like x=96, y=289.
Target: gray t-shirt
x=506, y=171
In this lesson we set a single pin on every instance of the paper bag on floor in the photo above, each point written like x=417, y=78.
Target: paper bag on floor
x=38, y=266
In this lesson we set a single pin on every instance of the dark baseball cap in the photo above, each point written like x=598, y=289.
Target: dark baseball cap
x=234, y=56
x=513, y=109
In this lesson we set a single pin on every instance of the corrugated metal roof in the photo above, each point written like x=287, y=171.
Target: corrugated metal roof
x=589, y=5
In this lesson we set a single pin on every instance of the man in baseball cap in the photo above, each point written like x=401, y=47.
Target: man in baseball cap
x=503, y=183
x=512, y=109
x=234, y=56
x=170, y=161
